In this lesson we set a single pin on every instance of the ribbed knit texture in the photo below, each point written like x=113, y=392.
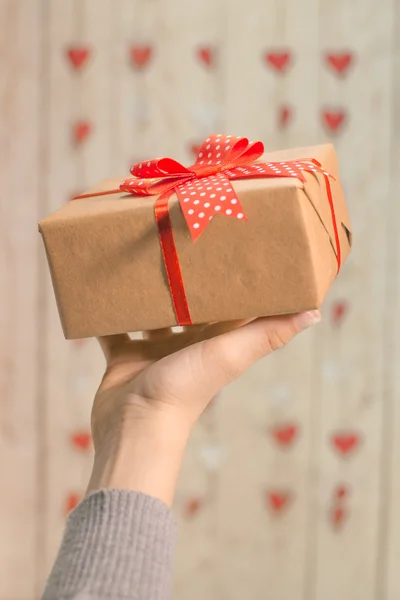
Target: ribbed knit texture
x=117, y=545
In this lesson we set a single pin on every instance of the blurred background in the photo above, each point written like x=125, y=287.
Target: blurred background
x=291, y=485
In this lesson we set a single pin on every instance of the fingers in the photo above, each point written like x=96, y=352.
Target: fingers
x=233, y=345
x=214, y=329
x=234, y=352
x=110, y=344
x=155, y=344
x=158, y=334
x=160, y=342
x=193, y=334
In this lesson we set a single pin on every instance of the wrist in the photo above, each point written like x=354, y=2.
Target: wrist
x=144, y=454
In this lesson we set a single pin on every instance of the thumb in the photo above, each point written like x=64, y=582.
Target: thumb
x=229, y=355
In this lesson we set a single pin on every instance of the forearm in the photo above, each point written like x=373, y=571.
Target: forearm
x=144, y=455
x=119, y=542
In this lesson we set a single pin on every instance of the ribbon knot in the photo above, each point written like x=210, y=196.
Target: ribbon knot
x=204, y=189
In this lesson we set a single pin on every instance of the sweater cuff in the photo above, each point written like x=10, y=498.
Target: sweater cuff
x=117, y=544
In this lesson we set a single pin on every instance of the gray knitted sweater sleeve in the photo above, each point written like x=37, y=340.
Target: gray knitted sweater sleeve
x=117, y=545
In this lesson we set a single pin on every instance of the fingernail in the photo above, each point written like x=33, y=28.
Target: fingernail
x=309, y=318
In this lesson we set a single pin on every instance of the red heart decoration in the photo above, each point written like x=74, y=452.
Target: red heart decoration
x=334, y=119
x=206, y=54
x=284, y=435
x=346, y=442
x=277, y=501
x=81, y=440
x=341, y=492
x=279, y=61
x=192, y=506
x=338, y=516
x=72, y=501
x=339, y=62
x=339, y=311
x=81, y=131
x=78, y=56
x=140, y=55
x=284, y=116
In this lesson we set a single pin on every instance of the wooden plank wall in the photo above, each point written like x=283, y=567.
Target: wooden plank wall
x=20, y=182
x=290, y=487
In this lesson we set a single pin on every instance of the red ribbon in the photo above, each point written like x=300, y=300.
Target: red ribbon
x=204, y=190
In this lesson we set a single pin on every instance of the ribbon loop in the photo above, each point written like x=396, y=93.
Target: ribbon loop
x=253, y=152
x=220, y=152
x=220, y=149
x=158, y=167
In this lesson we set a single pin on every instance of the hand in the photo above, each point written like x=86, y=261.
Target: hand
x=154, y=390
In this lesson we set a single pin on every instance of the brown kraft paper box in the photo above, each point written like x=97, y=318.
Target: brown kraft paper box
x=108, y=272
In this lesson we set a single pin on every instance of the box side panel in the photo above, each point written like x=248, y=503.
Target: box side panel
x=322, y=254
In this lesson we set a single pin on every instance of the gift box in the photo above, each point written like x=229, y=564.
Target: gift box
x=238, y=235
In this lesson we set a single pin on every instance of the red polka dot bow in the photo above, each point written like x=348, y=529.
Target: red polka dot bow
x=204, y=189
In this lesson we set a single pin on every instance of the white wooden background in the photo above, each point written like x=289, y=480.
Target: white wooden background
x=291, y=484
